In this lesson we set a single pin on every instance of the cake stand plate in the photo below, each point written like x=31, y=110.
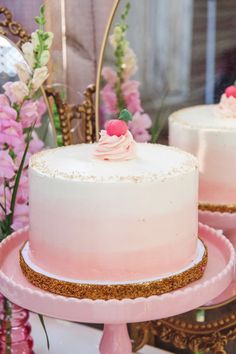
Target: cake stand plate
x=116, y=313
x=220, y=221
x=228, y=295
x=227, y=223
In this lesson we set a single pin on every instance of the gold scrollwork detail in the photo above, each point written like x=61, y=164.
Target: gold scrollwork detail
x=10, y=27
x=198, y=337
x=70, y=113
x=86, y=111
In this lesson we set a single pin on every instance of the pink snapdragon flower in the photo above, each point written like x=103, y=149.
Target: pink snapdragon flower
x=139, y=125
x=4, y=101
x=7, y=166
x=5, y=200
x=16, y=91
x=109, y=98
x=21, y=216
x=109, y=75
x=131, y=96
x=11, y=133
x=29, y=114
x=6, y=112
x=35, y=144
x=41, y=106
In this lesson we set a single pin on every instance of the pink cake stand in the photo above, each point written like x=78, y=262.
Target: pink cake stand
x=220, y=221
x=226, y=222
x=116, y=313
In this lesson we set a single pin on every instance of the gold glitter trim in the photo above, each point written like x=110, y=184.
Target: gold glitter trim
x=119, y=292
x=222, y=208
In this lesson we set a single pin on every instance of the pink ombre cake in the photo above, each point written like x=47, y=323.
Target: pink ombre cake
x=209, y=133
x=115, y=212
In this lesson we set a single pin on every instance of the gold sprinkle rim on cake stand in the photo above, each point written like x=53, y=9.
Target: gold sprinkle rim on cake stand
x=114, y=291
x=221, y=208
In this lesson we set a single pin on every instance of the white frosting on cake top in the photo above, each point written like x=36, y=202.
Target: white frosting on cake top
x=77, y=162
x=203, y=117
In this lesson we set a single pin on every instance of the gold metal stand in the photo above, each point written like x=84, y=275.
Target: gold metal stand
x=184, y=332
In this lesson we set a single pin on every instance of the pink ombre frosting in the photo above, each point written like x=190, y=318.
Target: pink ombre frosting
x=114, y=147
x=227, y=107
x=113, y=221
x=212, y=139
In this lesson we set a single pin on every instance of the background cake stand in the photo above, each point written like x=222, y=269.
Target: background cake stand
x=114, y=313
x=220, y=221
x=226, y=223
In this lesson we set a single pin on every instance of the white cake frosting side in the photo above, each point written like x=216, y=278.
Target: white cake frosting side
x=211, y=138
x=119, y=221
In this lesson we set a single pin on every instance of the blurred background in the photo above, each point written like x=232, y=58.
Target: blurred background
x=186, y=49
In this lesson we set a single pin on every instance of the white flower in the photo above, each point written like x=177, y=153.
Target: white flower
x=130, y=63
x=44, y=58
x=23, y=72
x=35, y=39
x=40, y=75
x=115, y=37
x=28, y=51
x=112, y=40
x=16, y=91
x=49, y=40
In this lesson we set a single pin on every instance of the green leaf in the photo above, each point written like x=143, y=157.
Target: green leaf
x=12, y=154
x=37, y=20
x=45, y=330
x=42, y=10
x=41, y=18
x=125, y=115
x=3, y=208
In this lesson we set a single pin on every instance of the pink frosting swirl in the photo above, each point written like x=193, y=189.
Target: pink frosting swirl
x=227, y=107
x=115, y=147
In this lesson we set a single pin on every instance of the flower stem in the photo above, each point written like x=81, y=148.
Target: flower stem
x=119, y=57
x=18, y=175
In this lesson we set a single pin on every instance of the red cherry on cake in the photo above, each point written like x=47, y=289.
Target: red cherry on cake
x=116, y=127
x=231, y=91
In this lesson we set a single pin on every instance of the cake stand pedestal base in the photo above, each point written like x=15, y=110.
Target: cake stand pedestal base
x=115, y=340
x=116, y=313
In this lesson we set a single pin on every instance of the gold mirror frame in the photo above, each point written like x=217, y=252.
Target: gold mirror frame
x=210, y=335
x=8, y=27
x=70, y=113
x=67, y=112
x=100, y=63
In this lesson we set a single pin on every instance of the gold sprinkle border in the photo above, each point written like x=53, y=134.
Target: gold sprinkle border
x=222, y=208
x=119, y=291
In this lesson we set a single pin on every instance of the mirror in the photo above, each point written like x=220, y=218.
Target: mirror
x=185, y=52
x=10, y=56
